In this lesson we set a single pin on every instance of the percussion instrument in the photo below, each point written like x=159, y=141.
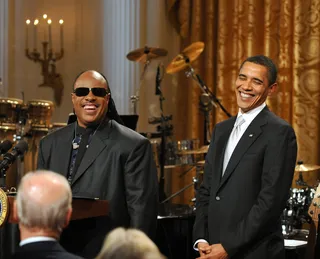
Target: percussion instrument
x=8, y=110
x=296, y=210
x=40, y=114
x=177, y=152
x=146, y=53
x=187, y=56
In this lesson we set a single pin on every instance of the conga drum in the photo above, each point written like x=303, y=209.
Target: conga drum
x=39, y=117
x=40, y=113
x=8, y=110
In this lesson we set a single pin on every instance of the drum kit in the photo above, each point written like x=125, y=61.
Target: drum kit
x=295, y=214
x=170, y=154
x=28, y=121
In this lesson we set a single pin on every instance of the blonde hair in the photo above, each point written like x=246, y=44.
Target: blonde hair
x=129, y=244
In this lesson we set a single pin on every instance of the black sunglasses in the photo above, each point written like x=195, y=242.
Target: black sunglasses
x=84, y=91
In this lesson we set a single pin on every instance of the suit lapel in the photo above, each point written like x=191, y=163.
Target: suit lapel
x=222, y=144
x=97, y=144
x=65, y=148
x=248, y=138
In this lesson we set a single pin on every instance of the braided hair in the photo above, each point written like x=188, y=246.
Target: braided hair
x=112, y=112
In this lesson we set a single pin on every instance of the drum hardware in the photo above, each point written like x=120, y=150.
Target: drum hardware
x=295, y=213
x=184, y=60
x=206, y=107
x=143, y=55
x=202, y=150
x=208, y=100
x=301, y=168
x=194, y=181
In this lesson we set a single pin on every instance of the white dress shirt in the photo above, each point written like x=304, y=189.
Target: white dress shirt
x=248, y=118
x=36, y=239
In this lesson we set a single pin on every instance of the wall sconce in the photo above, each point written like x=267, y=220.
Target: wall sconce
x=47, y=58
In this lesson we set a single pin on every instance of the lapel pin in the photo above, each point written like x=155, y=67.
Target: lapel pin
x=250, y=135
x=75, y=145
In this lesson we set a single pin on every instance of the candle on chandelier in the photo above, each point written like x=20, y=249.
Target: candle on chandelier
x=27, y=33
x=44, y=32
x=50, y=38
x=61, y=33
x=35, y=32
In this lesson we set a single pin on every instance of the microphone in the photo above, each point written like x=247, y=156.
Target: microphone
x=10, y=157
x=158, y=80
x=5, y=146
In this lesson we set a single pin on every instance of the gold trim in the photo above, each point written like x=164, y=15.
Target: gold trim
x=4, y=207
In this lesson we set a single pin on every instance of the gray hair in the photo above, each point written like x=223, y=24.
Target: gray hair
x=35, y=212
x=129, y=244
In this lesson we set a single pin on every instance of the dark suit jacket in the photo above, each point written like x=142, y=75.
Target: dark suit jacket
x=118, y=166
x=242, y=209
x=43, y=250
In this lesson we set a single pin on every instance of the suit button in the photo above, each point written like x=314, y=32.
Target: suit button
x=217, y=198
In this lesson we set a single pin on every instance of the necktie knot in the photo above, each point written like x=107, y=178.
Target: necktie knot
x=240, y=120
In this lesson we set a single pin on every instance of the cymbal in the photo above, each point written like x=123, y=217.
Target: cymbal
x=202, y=150
x=146, y=53
x=188, y=55
x=306, y=168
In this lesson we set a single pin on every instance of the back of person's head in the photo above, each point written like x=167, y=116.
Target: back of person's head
x=44, y=201
x=266, y=62
x=129, y=244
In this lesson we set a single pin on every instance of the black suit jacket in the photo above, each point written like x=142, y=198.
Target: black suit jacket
x=118, y=166
x=43, y=250
x=242, y=209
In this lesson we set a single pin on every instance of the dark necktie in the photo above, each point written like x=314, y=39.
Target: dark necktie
x=82, y=148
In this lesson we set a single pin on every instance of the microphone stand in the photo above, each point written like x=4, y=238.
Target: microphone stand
x=214, y=100
x=135, y=98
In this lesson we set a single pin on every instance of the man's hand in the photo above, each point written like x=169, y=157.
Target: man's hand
x=201, y=247
x=215, y=251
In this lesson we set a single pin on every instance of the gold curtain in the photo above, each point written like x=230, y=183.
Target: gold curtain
x=285, y=30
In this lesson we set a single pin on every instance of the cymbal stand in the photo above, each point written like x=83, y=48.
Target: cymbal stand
x=166, y=130
x=135, y=98
x=206, y=107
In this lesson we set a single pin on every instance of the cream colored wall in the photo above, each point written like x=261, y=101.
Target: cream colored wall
x=83, y=43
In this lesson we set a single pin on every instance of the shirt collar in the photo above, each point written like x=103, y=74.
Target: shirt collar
x=250, y=115
x=35, y=239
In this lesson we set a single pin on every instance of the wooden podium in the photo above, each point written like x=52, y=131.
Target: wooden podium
x=82, y=208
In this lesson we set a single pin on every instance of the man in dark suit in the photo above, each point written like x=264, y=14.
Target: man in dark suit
x=102, y=159
x=43, y=209
x=247, y=175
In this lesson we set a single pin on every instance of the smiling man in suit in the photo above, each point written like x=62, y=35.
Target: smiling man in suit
x=43, y=209
x=247, y=174
x=102, y=159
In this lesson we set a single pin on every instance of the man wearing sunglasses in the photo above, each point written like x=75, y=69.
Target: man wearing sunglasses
x=102, y=159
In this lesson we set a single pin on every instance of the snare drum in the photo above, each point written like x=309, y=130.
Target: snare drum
x=40, y=113
x=8, y=110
